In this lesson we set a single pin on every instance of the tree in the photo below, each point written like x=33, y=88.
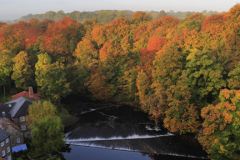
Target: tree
x=234, y=77
x=59, y=15
x=206, y=74
x=161, y=14
x=141, y=36
x=181, y=116
x=51, y=78
x=17, y=37
x=118, y=29
x=90, y=24
x=140, y=17
x=152, y=96
x=212, y=34
x=87, y=53
x=40, y=110
x=221, y=128
x=49, y=15
x=5, y=67
x=47, y=135
x=59, y=39
x=22, y=72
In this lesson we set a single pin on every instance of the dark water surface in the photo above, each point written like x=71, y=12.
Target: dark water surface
x=111, y=131
x=90, y=153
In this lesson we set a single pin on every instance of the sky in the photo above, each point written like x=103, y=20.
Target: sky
x=14, y=9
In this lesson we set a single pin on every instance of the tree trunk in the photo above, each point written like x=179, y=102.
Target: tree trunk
x=205, y=83
x=10, y=88
x=4, y=91
x=60, y=110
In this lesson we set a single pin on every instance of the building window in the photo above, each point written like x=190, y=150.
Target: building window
x=9, y=157
x=18, y=140
x=25, y=134
x=8, y=149
x=7, y=140
x=22, y=119
x=23, y=127
x=2, y=144
x=3, y=153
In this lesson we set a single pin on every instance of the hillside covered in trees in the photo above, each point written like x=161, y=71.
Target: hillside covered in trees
x=105, y=16
x=184, y=73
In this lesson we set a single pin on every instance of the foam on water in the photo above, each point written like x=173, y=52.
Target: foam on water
x=90, y=144
x=110, y=116
x=118, y=137
x=149, y=128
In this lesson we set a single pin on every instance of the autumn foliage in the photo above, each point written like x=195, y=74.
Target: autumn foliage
x=178, y=71
x=221, y=127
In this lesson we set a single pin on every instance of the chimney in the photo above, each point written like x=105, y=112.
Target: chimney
x=30, y=91
x=3, y=123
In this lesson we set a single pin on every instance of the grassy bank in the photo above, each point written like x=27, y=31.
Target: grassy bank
x=64, y=114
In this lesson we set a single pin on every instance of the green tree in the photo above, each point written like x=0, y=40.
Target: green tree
x=49, y=15
x=47, y=135
x=51, y=79
x=206, y=74
x=22, y=72
x=234, y=77
x=161, y=14
x=5, y=67
x=59, y=15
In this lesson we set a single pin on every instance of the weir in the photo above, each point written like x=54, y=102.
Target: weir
x=117, y=138
x=127, y=129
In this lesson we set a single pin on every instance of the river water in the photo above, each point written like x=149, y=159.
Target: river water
x=112, y=131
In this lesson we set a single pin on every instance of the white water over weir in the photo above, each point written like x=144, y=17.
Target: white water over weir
x=135, y=136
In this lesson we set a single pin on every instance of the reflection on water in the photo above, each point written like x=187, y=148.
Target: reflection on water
x=89, y=153
x=103, y=132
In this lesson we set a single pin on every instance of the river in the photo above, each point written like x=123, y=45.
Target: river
x=113, y=131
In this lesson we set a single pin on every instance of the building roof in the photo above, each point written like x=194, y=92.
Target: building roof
x=4, y=124
x=3, y=135
x=23, y=111
x=5, y=109
x=21, y=106
x=13, y=124
x=36, y=96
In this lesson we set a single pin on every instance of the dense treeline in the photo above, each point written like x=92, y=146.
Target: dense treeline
x=185, y=73
x=105, y=16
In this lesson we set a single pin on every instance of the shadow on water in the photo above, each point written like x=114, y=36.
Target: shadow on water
x=122, y=131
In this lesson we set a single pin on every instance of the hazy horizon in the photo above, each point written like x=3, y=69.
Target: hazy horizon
x=15, y=9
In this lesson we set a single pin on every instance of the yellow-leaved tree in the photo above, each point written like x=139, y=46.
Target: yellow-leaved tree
x=39, y=110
